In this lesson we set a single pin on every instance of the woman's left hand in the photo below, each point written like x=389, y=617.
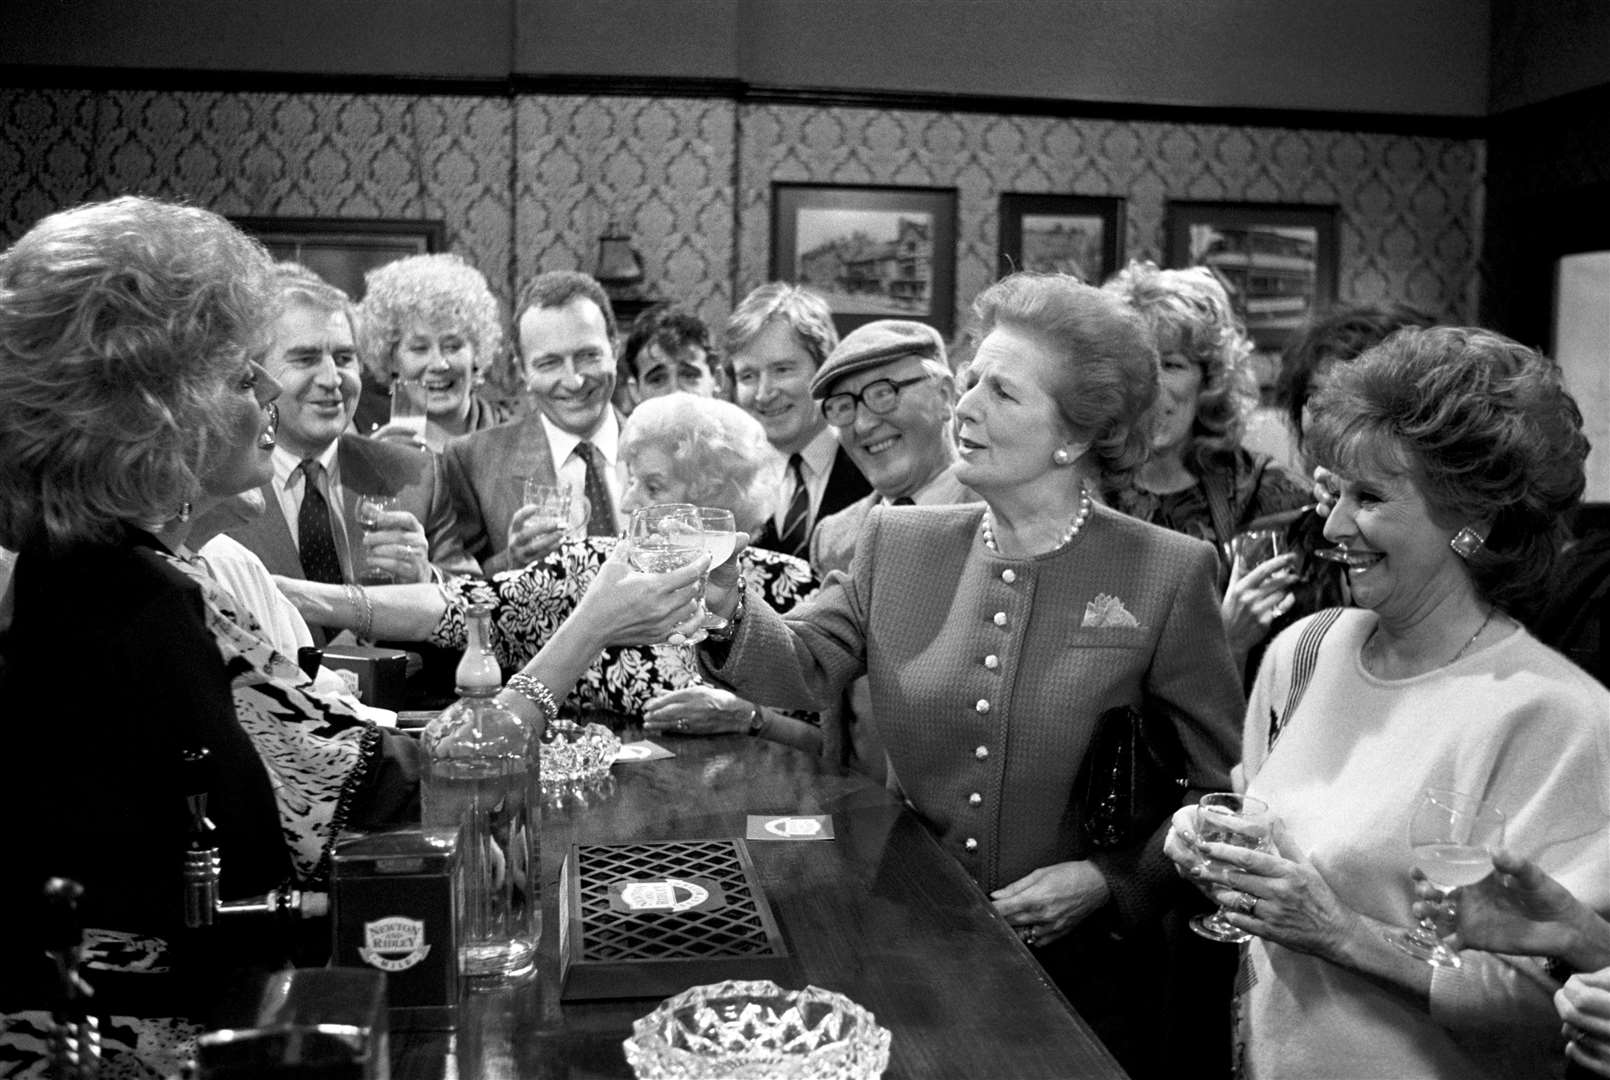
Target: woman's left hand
x=698, y=710
x=1279, y=897
x=1048, y=902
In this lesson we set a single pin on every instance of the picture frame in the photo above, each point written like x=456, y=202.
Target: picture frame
x=1081, y=235
x=343, y=250
x=871, y=252
x=1278, y=261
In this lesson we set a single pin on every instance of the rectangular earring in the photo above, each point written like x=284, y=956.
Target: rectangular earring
x=1466, y=542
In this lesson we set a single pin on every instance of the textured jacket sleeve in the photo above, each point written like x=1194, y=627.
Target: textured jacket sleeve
x=447, y=551
x=1193, y=684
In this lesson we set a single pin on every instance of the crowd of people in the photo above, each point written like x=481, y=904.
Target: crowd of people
x=198, y=475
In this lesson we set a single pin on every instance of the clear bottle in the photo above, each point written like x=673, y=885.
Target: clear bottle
x=481, y=778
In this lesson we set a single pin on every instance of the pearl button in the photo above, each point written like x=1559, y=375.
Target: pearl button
x=1000, y=618
x=981, y=753
x=1009, y=575
x=971, y=844
x=982, y=706
x=992, y=661
x=975, y=799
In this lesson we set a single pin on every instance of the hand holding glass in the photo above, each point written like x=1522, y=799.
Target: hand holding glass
x=558, y=507
x=1256, y=547
x=664, y=538
x=720, y=534
x=1451, y=837
x=370, y=509
x=1224, y=817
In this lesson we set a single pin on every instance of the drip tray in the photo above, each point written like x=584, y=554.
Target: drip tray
x=649, y=920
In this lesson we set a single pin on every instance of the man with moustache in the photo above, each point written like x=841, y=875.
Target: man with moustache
x=565, y=331
x=310, y=529
x=775, y=341
x=888, y=394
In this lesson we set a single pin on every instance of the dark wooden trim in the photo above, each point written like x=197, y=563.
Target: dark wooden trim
x=28, y=76
x=97, y=78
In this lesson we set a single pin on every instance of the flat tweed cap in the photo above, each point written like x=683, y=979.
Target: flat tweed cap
x=877, y=343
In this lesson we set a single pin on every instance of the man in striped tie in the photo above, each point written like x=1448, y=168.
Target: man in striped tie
x=565, y=328
x=775, y=341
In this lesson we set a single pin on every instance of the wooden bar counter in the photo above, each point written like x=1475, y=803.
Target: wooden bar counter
x=879, y=913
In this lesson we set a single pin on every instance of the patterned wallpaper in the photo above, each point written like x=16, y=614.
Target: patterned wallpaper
x=690, y=178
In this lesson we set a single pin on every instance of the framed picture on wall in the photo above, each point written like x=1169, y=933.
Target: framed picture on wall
x=1070, y=234
x=1277, y=261
x=342, y=250
x=872, y=252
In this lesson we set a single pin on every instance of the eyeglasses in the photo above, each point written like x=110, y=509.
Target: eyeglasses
x=880, y=399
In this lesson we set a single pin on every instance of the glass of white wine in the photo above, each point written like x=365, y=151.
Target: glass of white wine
x=664, y=538
x=1451, y=837
x=1223, y=817
x=720, y=535
x=371, y=508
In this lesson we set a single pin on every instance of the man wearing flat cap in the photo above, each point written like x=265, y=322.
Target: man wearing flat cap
x=889, y=396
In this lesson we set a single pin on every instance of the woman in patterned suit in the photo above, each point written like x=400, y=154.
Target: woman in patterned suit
x=993, y=636
x=677, y=448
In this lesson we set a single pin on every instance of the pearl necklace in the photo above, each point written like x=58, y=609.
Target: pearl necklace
x=1079, y=520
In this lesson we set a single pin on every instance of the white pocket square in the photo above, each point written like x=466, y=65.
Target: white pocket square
x=1107, y=610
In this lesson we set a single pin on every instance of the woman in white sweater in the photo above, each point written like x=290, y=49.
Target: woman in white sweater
x=1455, y=453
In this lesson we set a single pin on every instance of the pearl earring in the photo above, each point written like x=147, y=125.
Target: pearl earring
x=1060, y=457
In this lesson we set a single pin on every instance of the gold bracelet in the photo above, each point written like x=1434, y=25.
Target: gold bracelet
x=364, y=608
x=535, y=691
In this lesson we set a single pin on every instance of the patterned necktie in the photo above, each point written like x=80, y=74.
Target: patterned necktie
x=793, y=536
x=601, y=522
x=313, y=534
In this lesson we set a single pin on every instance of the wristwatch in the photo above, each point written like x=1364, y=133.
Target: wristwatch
x=756, y=720
x=725, y=633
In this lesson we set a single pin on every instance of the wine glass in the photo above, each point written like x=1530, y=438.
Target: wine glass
x=1452, y=837
x=370, y=509
x=720, y=534
x=1224, y=817
x=664, y=538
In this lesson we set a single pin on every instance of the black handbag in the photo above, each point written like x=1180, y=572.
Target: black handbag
x=1132, y=777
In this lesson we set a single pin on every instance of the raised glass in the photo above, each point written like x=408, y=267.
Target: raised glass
x=1451, y=838
x=370, y=509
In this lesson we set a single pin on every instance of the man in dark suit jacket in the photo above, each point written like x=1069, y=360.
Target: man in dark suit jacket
x=565, y=329
x=775, y=341
x=314, y=358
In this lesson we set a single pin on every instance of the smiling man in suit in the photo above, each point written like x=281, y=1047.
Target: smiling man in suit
x=321, y=469
x=775, y=341
x=565, y=329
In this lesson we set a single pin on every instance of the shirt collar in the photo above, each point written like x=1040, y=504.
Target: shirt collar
x=561, y=443
x=819, y=453
x=286, y=465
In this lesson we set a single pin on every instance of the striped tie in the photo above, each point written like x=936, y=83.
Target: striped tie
x=601, y=521
x=793, y=537
x=314, y=536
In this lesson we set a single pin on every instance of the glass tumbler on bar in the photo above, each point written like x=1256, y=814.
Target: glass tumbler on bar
x=481, y=778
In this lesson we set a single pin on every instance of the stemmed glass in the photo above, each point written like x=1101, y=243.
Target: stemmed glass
x=664, y=538
x=720, y=534
x=1224, y=817
x=1452, y=837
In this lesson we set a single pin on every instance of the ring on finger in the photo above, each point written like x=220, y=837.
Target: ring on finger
x=1248, y=904
x=682, y=724
x=677, y=638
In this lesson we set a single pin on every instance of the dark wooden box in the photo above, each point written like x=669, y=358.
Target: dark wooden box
x=651, y=920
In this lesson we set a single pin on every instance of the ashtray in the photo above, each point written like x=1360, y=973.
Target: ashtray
x=575, y=753
x=756, y=1030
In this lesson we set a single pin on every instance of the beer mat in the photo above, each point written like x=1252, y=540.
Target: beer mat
x=642, y=750
x=789, y=827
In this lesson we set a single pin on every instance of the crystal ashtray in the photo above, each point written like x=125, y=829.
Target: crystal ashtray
x=575, y=753
x=756, y=1030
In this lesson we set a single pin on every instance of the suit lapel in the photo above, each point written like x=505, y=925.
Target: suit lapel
x=269, y=537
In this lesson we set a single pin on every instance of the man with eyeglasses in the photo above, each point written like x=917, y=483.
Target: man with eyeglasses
x=889, y=395
x=565, y=331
